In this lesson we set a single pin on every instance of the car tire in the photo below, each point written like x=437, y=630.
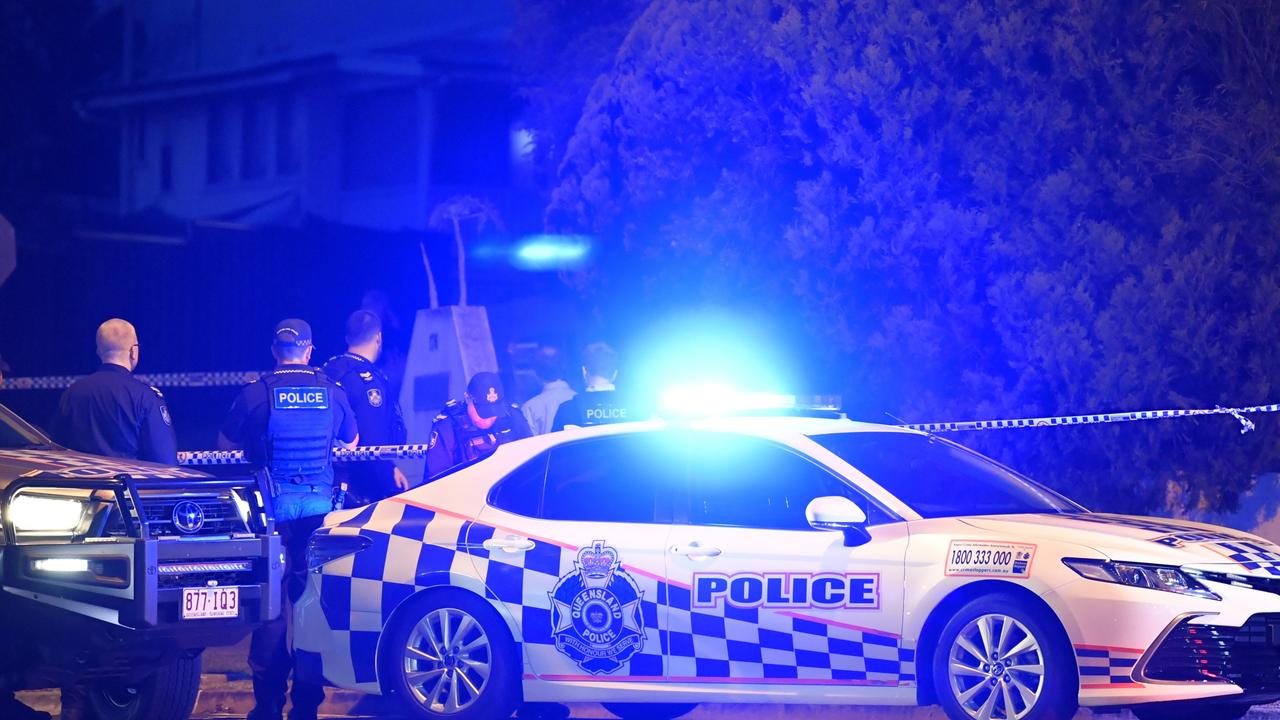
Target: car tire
x=1031, y=677
x=650, y=711
x=474, y=676
x=1162, y=711
x=168, y=694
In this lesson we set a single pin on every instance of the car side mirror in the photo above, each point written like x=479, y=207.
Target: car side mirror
x=833, y=512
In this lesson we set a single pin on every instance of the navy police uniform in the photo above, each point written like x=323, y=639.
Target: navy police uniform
x=378, y=416
x=595, y=407
x=287, y=422
x=112, y=413
x=469, y=430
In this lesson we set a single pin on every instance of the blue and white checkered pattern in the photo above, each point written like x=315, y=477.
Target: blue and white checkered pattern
x=1102, y=667
x=358, y=594
x=1252, y=556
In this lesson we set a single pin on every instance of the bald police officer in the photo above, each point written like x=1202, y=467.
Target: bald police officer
x=376, y=409
x=112, y=413
x=475, y=427
x=287, y=422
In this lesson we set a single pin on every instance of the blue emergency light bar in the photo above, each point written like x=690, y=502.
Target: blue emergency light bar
x=714, y=399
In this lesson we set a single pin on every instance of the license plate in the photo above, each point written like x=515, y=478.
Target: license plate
x=218, y=602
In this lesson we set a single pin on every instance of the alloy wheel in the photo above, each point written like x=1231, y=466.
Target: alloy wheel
x=996, y=668
x=447, y=661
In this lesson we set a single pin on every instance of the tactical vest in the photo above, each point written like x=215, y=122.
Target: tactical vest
x=299, y=426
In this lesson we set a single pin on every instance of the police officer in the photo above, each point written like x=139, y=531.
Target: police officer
x=377, y=412
x=287, y=423
x=475, y=427
x=600, y=402
x=112, y=413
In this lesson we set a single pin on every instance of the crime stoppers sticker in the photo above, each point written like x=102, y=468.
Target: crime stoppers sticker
x=977, y=558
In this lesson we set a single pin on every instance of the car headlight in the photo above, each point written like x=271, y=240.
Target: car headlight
x=40, y=513
x=1156, y=577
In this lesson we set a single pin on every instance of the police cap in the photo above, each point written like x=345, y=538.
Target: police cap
x=293, y=333
x=485, y=390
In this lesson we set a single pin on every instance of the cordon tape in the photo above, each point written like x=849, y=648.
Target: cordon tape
x=416, y=451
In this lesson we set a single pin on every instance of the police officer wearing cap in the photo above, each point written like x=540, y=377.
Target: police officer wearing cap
x=112, y=413
x=377, y=412
x=475, y=427
x=287, y=423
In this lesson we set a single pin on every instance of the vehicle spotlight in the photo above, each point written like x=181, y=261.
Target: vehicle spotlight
x=38, y=513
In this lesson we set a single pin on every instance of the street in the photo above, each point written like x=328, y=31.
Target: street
x=226, y=693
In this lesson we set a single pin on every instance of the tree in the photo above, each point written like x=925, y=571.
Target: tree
x=979, y=209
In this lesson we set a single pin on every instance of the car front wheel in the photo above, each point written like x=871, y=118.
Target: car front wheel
x=168, y=694
x=998, y=659
x=448, y=655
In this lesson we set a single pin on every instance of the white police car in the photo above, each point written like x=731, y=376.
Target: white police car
x=652, y=566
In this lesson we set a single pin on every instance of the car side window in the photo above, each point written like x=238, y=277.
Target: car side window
x=520, y=492
x=739, y=481
x=621, y=478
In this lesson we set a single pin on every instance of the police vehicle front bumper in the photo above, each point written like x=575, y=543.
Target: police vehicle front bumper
x=111, y=593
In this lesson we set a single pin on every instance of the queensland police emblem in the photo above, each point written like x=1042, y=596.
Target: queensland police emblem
x=375, y=397
x=595, y=612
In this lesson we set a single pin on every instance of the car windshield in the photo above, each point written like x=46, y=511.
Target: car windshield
x=14, y=433
x=938, y=478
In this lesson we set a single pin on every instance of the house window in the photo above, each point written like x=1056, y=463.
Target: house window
x=287, y=141
x=220, y=144
x=380, y=139
x=166, y=168
x=472, y=141
x=255, y=139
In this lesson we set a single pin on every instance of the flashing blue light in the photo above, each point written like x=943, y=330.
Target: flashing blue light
x=542, y=252
x=709, y=399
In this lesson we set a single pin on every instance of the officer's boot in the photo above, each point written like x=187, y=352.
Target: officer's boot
x=307, y=698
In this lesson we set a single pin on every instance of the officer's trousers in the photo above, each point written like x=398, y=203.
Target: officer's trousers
x=270, y=658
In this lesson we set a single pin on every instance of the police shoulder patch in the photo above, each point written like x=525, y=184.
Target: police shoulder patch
x=164, y=414
x=366, y=376
x=375, y=397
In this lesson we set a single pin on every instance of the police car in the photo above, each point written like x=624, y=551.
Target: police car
x=115, y=575
x=653, y=566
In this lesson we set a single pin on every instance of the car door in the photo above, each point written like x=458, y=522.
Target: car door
x=574, y=544
x=767, y=599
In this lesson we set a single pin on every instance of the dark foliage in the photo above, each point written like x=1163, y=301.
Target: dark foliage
x=978, y=209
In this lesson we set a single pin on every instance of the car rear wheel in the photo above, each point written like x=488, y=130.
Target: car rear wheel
x=169, y=694
x=650, y=711
x=448, y=655
x=997, y=659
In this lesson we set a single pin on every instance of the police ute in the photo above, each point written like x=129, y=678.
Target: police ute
x=651, y=566
x=116, y=575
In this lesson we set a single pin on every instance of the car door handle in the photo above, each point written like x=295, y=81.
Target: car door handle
x=511, y=544
x=694, y=550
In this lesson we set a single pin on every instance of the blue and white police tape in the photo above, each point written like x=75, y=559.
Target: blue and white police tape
x=371, y=452
x=1239, y=413
x=181, y=379
x=408, y=452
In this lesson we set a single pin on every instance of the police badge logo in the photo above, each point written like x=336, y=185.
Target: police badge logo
x=596, y=612
x=375, y=397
